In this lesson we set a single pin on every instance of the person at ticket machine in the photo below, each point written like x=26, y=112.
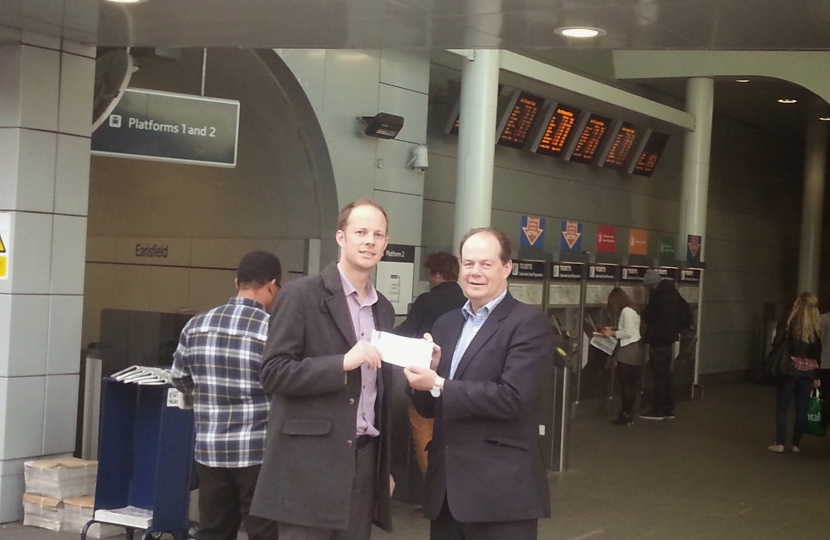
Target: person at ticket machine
x=628, y=356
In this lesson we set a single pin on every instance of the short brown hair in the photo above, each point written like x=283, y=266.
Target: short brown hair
x=343, y=217
x=504, y=241
x=444, y=264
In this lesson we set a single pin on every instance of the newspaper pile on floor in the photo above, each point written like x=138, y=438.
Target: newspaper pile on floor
x=59, y=494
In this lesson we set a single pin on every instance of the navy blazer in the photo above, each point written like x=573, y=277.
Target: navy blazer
x=484, y=455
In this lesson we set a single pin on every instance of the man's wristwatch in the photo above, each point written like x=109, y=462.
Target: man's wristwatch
x=436, y=388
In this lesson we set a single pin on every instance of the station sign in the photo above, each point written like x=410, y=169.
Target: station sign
x=690, y=275
x=633, y=273
x=667, y=273
x=566, y=271
x=523, y=269
x=167, y=127
x=602, y=272
x=606, y=238
x=399, y=253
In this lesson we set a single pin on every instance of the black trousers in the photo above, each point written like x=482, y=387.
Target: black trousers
x=446, y=527
x=660, y=359
x=629, y=378
x=225, y=501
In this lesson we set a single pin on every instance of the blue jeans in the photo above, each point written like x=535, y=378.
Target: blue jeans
x=660, y=360
x=799, y=386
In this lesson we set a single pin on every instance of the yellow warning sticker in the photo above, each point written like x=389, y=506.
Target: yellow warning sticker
x=2, y=245
x=4, y=267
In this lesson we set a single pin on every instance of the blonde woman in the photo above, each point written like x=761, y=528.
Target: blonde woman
x=629, y=359
x=804, y=335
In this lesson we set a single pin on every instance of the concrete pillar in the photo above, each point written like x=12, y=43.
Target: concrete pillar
x=695, y=185
x=476, y=143
x=694, y=194
x=813, y=201
x=45, y=120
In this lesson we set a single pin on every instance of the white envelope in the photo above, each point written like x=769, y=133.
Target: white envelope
x=402, y=351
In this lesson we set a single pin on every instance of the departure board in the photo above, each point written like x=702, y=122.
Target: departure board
x=622, y=147
x=651, y=154
x=592, y=137
x=518, y=124
x=558, y=131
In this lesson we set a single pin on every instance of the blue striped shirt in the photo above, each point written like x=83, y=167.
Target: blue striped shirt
x=218, y=361
x=473, y=323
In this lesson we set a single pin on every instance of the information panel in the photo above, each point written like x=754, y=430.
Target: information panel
x=596, y=132
x=520, y=121
x=161, y=126
x=651, y=154
x=558, y=132
x=622, y=147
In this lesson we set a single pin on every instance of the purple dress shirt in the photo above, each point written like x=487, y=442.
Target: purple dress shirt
x=364, y=322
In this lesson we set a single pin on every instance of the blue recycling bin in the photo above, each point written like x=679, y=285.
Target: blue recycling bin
x=145, y=457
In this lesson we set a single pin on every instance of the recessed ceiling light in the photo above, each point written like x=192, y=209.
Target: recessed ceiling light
x=825, y=118
x=580, y=31
x=787, y=101
x=742, y=80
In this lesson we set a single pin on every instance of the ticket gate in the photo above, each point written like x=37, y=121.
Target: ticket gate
x=564, y=309
x=687, y=363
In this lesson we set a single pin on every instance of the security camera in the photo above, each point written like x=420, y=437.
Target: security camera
x=420, y=159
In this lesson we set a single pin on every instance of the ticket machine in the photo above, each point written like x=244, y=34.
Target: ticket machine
x=527, y=282
x=687, y=364
x=594, y=379
x=563, y=307
x=631, y=281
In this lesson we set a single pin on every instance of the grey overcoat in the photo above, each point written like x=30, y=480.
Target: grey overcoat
x=306, y=478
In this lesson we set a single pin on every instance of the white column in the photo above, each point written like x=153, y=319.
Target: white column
x=694, y=195
x=45, y=120
x=813, y=202
x=695, y=186
x=476, y=143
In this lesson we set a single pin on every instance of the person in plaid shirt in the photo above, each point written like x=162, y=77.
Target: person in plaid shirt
x=218, y=361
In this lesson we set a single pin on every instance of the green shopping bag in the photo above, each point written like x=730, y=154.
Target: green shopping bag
x=815, y=425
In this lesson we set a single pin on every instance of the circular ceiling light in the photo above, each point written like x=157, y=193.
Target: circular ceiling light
x=742, y=80
x=581, y=32
x=787, y=101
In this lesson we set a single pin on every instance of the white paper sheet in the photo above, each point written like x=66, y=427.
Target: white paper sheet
x=606, y=344
x=402, y=351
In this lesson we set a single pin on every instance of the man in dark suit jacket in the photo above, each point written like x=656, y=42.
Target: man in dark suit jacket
x=485, y=477
x=326, y=469
x=445, y=295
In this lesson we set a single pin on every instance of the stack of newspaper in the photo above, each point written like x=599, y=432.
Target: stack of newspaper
x=61, y=478
x=44, y=512
x=129, y=516
x=48, y=483
x=77, y=512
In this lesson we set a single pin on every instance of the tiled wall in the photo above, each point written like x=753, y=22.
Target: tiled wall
x=345, y=84
x=45, y=119
x=753, y=215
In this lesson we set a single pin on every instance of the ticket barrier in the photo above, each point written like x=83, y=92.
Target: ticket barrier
x=594, y=382
x=687, y=355
x=527, y=285
x=563, y=307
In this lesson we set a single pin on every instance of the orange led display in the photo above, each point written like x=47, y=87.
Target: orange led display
x=558, y=131
x=591, y=138
x=520, y=121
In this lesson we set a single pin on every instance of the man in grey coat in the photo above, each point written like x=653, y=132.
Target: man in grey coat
x=326, y=470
